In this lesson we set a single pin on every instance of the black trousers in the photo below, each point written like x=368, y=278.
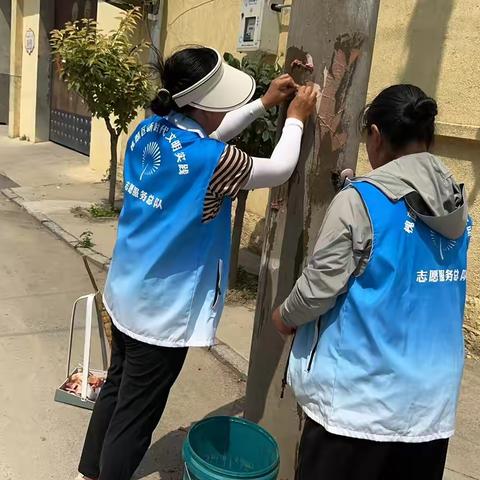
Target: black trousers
x=129, y=407
x=324, y=456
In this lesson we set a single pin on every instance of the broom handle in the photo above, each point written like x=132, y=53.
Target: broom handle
x=101, y=332
x=90, y=274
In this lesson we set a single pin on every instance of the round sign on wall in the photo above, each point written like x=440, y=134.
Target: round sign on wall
x=29, y=41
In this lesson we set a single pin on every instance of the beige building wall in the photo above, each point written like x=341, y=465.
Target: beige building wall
x=107, y=19
x=195, y=22
x=16, y=54
x=433, y=44
x=213, y=23
x=28, y=92
x=100, y=138
x=29, y=106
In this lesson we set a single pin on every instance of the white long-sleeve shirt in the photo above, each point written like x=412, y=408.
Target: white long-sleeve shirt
x=265, y=172
x=236, y=169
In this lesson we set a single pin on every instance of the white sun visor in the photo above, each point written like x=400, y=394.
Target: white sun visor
x=224, y=89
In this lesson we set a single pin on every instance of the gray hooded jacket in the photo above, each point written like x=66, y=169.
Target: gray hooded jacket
x=345, y=239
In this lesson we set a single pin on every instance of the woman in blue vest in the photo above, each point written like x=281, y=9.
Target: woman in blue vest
x=168, y=277
x=377, y=359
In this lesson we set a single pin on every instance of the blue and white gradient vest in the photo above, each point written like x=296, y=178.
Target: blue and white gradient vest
x=386, y=362
x=169, y=271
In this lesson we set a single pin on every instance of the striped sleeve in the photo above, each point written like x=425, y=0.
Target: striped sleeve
x=230, y=176
x=232, y=172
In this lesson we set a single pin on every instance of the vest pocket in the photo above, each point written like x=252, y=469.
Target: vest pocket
x=316, y=339
x=218, y=285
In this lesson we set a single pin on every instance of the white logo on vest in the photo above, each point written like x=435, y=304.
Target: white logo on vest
x=144, y=196
x=445, y=245
x=441, y=276
x=175, y=145
x=409, y=225
x=151, y=159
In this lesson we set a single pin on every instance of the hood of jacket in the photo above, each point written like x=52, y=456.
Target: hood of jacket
x=429, y=189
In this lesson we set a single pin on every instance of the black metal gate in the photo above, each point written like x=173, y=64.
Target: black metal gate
x=70, y=120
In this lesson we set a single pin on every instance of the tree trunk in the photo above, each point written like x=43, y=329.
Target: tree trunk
x=237, y=236
x=113, y=163
x=339, y=36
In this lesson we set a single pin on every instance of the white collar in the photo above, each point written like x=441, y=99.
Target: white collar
x=186, y=123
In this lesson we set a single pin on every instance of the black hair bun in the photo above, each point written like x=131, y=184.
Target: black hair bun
x=163, y=103
x=423, y=110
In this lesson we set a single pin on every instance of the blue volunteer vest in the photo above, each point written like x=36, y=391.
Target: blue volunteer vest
x=169, y=271
x=386, y=362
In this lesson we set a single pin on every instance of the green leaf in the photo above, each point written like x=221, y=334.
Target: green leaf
x=231, y=60
x=106, y=69
x=259, y=138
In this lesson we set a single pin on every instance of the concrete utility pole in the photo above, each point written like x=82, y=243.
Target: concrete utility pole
x=338, y=37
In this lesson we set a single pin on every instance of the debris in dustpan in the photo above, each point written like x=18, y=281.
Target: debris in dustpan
x=74, y=384
x=70, y=392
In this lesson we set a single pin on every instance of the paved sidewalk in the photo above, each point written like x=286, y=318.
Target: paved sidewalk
x=41, y=439
x=464, y=454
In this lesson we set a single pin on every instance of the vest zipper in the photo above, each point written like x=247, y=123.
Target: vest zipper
x=285, y=373
x=310, y=362
x=218, y=284
x=315, y=345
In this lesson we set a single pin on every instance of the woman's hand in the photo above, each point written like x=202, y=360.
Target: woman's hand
x=280, y=325
x=281, y=89
x=304, y=103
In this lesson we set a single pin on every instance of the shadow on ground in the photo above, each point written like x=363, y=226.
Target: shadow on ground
x=165, y=455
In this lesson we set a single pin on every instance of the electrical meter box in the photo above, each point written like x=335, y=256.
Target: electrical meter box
x=259, y=27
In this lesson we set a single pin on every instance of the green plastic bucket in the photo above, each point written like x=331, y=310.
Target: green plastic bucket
x=222, y=448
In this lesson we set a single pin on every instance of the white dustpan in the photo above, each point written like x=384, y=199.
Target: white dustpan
x=85, y=399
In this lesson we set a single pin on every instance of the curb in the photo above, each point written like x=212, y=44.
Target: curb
x=229, y=357
x=221, y=351
x=95, y=257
